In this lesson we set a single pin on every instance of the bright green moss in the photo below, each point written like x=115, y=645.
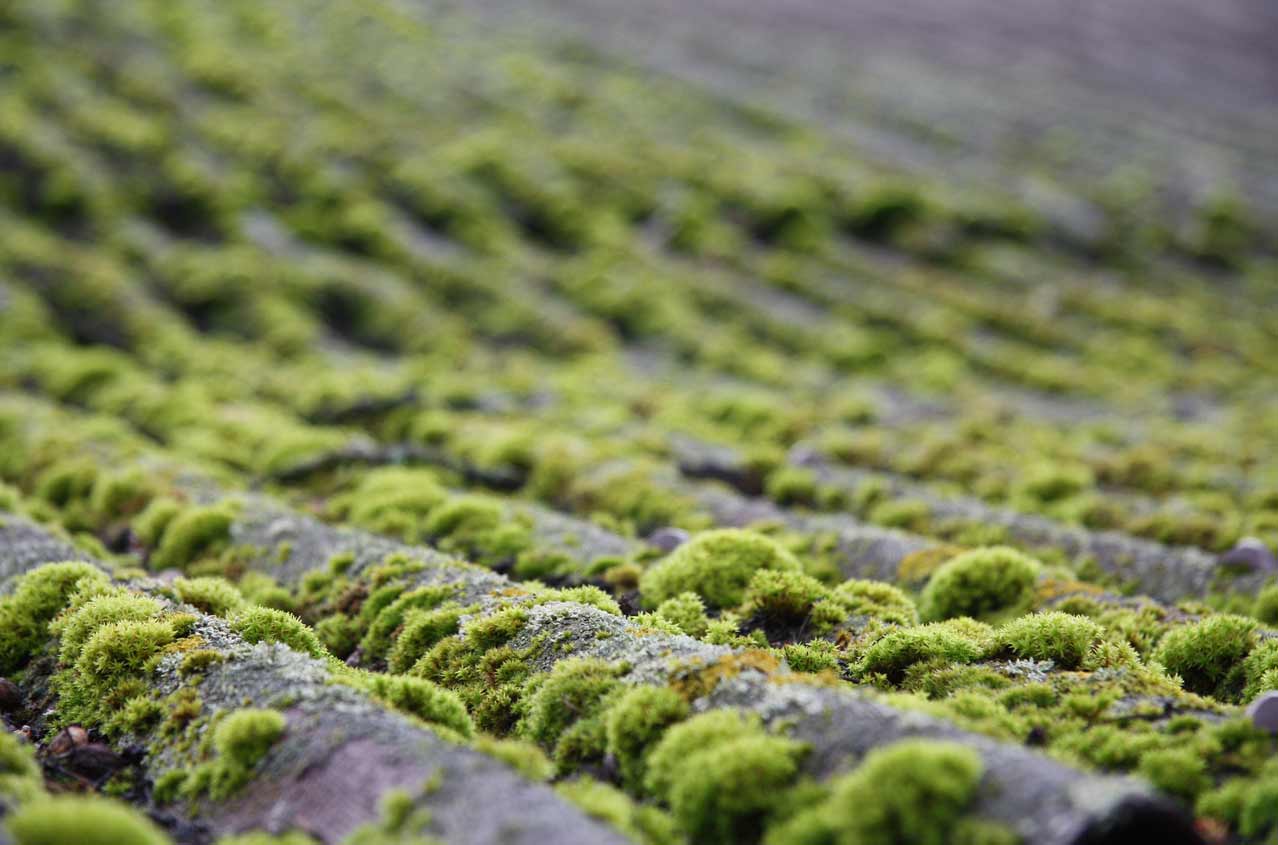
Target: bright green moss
x=215, y=596
x=1266, y=606
x=1260, y=669
x=686, y=612
x=815, y=656
x=716, y=565
x=109, y=666
x=392, y=500
x=194, y=531
x=633, y=724
x=41, y=593
x=786, y=597
x=876, y=600
x=1178, y=771
x=265, y=624
x=76, y=627
x=637, y=822
x=294, y=837
x=525, y=757
x=420, y=632
x=422, y=699
x=979, y=583
x=896, y=652
x=391, y=617
x=586, y=594
x=464, y=520
x=668, y=758
x=84, y=820
x=915, y=791
x=727, y=792
x=1208, y=654
x=150, y=525
x=1054, y=636
x=240, y=740
x=21, y=779
x=563, y=710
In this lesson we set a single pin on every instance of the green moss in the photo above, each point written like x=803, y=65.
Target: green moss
x=194, y=531
x=40, y=595
x=816, y=656
x=421, y=631
x=716, y=565
x=585, y=594
x=84, y=820
x=240, y=741
x=1054, y=636
x=686, y=612
x=526, y=758
x=637, y=822
x=21, y=779
x=876, y=600
x=633, y=724
x=727, y=792
x=1208, y=654
x=1178, y=771
x=109, y=665
x=786, y=598
x=896, y=652
x=215, y=596
x=265, y=624
x=563, y=710
x=150, y=525
x=979, y=583
x=668, y=758
x=294, y=837
x=389, y=619
x=914, y=791
x=422, y=699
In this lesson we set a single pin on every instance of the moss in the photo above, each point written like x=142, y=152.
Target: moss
x=571, y=698
x=198, y=661
x=391, y=617
x=896, y=652
x=240, y=741
x=979, y=583
x=792, y=485
x=525, y=757
x=585, y=594
x=727, y=792
x=669, y=758
x=686, y=612
x=637, y=822
x=716, y=565
x=1054, y=636
x=814, y=657
x=635, y=721
x=76, y=626
x=265, y=624
x=153, y=521
x=1208, y=655
x=876, y=600
x=294, y=837
x=1177, y=771
x=1260, y=669
x=421, y=631
x=1266, y=606
x=422, y=699
x=84, y=820
x=40, y=595
x=109, y=667
x=785, y=597
x=915, y=791
x=21, y=779
x=194, y=531
x=215, y=596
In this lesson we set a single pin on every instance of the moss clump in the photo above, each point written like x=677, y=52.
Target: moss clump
x=686, y=612
x=266, y=624
x=1178, y=771
x=421, y=631
x=215, y=596
x=110, y=666
x=914, y=791
x=876, y=600
x=76, y=626
x=1208, y=654
x=20, y=777
x=83, y=820
x=422, y=699
x=716, y=565
x=979, y=583
x=637, y=822
x=784, y=598
x=380, y=633
x=896, y=652
x=1054, y=636
x=241, y=740
x=563, y=710
x=526, y=758
x=40, y=595
x=635, y=722
x=727, y=791
x=192, y=532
